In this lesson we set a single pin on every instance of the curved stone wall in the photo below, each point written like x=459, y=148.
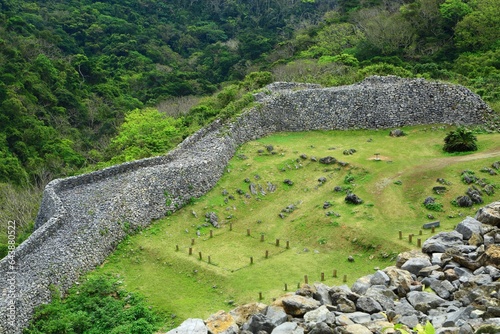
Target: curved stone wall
x=83, y=218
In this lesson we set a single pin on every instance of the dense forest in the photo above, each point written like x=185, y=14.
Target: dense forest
x=85, y=84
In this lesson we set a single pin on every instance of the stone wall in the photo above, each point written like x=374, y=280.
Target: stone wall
x=83, y=218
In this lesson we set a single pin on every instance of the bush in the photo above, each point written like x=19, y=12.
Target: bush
x=96, y=306
x=460, y=140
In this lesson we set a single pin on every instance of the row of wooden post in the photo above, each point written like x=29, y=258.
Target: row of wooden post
x=306, y=281
x=411, y=235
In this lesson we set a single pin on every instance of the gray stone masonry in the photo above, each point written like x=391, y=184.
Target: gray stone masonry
x=82, y=218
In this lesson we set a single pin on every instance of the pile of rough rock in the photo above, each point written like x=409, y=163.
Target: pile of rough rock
x=453, y=284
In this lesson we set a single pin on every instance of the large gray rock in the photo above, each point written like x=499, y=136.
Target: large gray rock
x=288, y=328
x=368, y=305
x=322, y=293
x=258, y=322
x=468, y=227
x=296, y=305
x=190, y=326
x=424, y=301
x=356, y=329
x=321, y=328
x=415, y=265
x=321, y=314
x=362, y=284
x=276, y=315
x=380, y=278
x=442, y=241
x=490, y=214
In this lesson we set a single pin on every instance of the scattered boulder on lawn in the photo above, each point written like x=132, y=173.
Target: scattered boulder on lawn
x=464, y=201
x=397, y=133
x=329, y=160
x=351, y=198
x=213, y=219
x=461, y=267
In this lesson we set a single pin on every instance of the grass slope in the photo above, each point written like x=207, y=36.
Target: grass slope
x=392, y=175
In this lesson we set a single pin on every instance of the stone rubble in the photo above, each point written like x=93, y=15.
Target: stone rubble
x=453, y=283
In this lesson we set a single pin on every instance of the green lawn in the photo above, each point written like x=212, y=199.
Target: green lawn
x=392, y=175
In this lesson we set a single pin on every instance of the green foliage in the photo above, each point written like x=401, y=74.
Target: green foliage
x=437, y=207
x=460, y=140
x=145, y=133
x=98, y=305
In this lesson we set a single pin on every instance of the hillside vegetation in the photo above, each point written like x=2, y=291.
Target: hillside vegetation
x=81, y=80
x=393, y=176
x=87, y=84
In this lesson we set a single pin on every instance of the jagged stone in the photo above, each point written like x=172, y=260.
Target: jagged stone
x=414, y=265
x=362, y=284
x=288, y=328
x=321, y=314
x=221, y=323
x=213, y=219
x=276, y=315
x=489, y=214
x=328, y=160
x=296, y=305
x=258, y=322
x=190, y=326
x=242, y=313
x=464, y=201
x=424, y=301
x=353, y=199
x=368, y=305
x=322, y=294
x=321, y=328
x=442, y=241
x=356, y=329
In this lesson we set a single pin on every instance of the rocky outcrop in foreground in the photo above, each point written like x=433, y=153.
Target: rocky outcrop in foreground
x=453, y=283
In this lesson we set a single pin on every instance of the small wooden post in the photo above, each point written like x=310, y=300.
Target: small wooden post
x=260, y=295
x=433, y=229
x=248, y=232
x=230, y=226
x=345, y=278
x=419, y=242
x=209, y=260
x=322, y=276
x=251, y=259
x=420, y=232
x=211, y=233
x=277, y=242
x=262, y=238
x=192, y=242
x=267, y=254
x=400, y=235
x=298, y=285
x=410, y=237
x=176, y=248
x=306, y=280
x=334, y=272
x=287, y=244
x=286, y=287
x=190, y=251
x=199, y=253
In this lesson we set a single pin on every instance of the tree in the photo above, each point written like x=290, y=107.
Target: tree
x=460, y=140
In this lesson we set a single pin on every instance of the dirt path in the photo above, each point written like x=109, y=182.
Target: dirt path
x=441, y=162
x=436, y=163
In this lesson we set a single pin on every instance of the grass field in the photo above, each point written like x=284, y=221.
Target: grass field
x=393, y=176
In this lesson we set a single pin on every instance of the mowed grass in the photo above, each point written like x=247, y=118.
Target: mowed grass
x=257, y=252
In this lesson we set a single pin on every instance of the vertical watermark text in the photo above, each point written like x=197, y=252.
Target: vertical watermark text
x=11, y=273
